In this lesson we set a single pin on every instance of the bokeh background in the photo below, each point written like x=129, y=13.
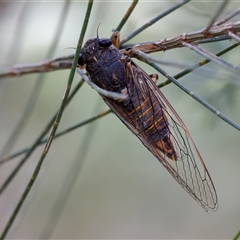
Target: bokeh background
x=99, y=181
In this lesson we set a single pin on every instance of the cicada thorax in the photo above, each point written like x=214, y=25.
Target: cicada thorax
x=103, y=63
x=111, y=70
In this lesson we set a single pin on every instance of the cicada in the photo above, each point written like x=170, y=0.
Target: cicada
x=149, y=116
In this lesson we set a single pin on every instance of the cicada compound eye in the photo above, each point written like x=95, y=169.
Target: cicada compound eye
x=104, y=42
x=81, y=60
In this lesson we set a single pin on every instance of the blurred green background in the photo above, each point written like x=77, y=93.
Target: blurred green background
x=99, y=181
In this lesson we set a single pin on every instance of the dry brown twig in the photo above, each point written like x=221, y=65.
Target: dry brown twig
x=217, y=32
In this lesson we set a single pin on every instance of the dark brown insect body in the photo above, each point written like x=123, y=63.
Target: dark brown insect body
x=148, y=114
x=112, y=71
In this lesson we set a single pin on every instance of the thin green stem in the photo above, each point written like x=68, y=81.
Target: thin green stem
x=37, y=142
x=200, y=100
x=127, y=15
x=200, y=64
x=152, y=21
x=237, y=236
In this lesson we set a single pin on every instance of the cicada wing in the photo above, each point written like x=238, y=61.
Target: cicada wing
x=188, y=169
x=192, y=173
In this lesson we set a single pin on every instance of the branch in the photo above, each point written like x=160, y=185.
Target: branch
x=193, y=37
x=222, y=32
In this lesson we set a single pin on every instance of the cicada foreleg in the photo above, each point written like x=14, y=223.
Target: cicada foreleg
x=103, y=92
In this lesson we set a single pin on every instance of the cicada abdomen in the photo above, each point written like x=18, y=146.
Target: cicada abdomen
x=148, y=114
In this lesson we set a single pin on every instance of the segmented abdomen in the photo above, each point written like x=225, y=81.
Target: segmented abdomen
x=147, y=115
